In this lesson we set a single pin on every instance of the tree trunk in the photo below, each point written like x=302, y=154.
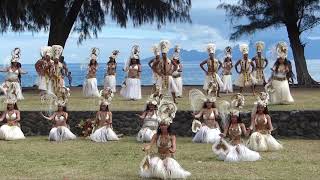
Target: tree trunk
x=61, y=23
x=303, y=77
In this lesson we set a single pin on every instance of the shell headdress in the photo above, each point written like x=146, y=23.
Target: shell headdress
x=16, y=54
x=156, y=50
x=57, y=51
x=244, y=48
x=260, y=46
x=167, y=111
x=282, y=49
x=46, y=51
x=211, y=48
x=94, y=53
x=135, y=52
x=164, y=46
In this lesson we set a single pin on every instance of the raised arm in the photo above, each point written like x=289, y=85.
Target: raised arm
x=153, y=141
x=199, y=115
x=236, y=66
x=202, y=66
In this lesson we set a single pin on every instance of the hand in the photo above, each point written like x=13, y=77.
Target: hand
x=207, y=73
x=222, y=135
x=171, y=150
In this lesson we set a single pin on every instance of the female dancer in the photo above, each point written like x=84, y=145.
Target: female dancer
x=227, y=75
x=90, y=87
x=163, y=165
x=177, y=74
x=210, y=130
x=132, y=90
x=110, y=77
x=279, y=78
x=104, y=133
x=261, y=139
x=60, y=130
x=11, y=86
x=150, y=121
x=235, y=151
x=11, y=130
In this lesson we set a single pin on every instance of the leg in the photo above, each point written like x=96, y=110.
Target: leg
x=218, y=93
x=174, y=97
x=253, y=90
x=241, y=89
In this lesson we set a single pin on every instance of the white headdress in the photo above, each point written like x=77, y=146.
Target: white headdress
x=259, y=46
x=176, y=54
x=106, y=95
x=282, y=49
x=167, y=111
x=114, y=54
x=104, y=103
x=228, y=52
x=9, y=99
x=46, y=50
x=57, y=51
x=94, y=53
x=135, y=52
x=16, y=54
x=255, y=106
x=164, y=46
x=211, y=48
x=234, y=112
x=61, y=103
x=264, y=97
x=237, y=101
x=244, y=48
x=156, y=50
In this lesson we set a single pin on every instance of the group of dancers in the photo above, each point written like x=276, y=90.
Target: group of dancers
x=209, y=113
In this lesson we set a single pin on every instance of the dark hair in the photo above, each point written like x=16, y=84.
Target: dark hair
x=169, y=130
x=95, y=63
x=205, y=105
x=266, y=110
x=137, y=60
x=64, y=108
x=239, y=120
x=15, y=107
x=107, y=108
x=147, y=107
x=61, y=59
x=111, y=60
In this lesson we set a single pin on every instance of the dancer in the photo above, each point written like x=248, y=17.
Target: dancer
x=261, y=139
x=246, y=78
x=235, y=151
x=57, y=68
x=162, y=164
x=90, y=87
x=153, y=62
x=110, y=77
x=164, y=68
x=150, y=120
x=213, y=67
x=132, y=89
x=177, y=74
x=11, y=85
x=260, y=64
x=209, y=130
x=60, y=130
x=279, y=78
x=104, y=131
x=227, y=74
x=11, y=130
x=43, y=68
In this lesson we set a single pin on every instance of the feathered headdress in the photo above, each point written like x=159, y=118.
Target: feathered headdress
x=46, y=51
x=237, y=101
x=57, y=51
x=228, y=52
x=211, y=48
x=156, y=50
x=264, y=97
x=234, y=112
x=259, y=46
x=176, y=54
x=114, y=54
x=16, y=54
x=164, y=46
x=94, y=53
x=255, y=106
x=60, y=102
x=244, y=48
x=106, y=95
x=282, y=49
x=10, y=99
x=167, y=111
x=135, y=52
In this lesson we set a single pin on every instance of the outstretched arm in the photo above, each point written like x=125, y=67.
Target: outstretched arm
x=153, y=141
x=48, y=118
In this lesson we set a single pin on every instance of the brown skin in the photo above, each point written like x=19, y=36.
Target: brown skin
x=260, y=113
x=212, y=123
x=11, y=110
x=133, y=73
x=58, y=113
x=245, y=57
x=151, y=107
x=103, y=113
x=235, y=140
x=259, y=55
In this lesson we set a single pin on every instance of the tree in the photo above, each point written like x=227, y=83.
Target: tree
x=86, y=17
x=296, y=15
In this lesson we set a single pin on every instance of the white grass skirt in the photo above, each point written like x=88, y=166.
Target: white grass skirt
x=208, y=79
x=263, y=142
x=173, y=88
x=61, y=133
x=282, y=94
x=227, y=83
x=132, y=90
x=145, y=134
x=259, y=81
x=90, y=88
x=207, y=135
x=11, y=133
x=104, y=134
x=242, y=83
x=15, y=85
x=110, y=82
x=179, y=84
x=168, y=168
x=235, y=153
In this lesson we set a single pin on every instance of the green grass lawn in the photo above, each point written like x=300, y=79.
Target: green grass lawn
x=37, y=158
x=305, y=99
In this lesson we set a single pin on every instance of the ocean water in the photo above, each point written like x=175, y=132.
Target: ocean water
x=192, y=73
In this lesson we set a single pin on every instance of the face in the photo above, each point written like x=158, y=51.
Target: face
x=151, y=106
x=209, y=104
x=259, y=53
x=10, y=106
x=164, y=128
x=103, y=107
x=281, y=60
x=14, y=64
x=133, y=61
x=245, y=56
x=47, y=57
x=157, y=56
x=211, y=55
x=260, y=109
x=60, y=108
x=234, y=119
